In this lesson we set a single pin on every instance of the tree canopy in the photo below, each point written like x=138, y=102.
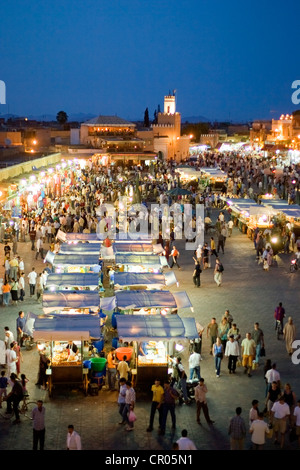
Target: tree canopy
x=62, y=117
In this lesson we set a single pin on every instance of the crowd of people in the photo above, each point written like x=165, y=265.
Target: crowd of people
x=82, y=209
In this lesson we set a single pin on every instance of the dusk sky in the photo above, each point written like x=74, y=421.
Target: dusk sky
x=227, y=60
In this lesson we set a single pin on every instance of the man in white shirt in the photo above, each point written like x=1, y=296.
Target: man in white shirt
x=184, y=443
x=259, y=429
x=32, y=281
x=194, y=365
x=232, y=351
x=9, y=337
x=272, y=375
x=73, y=439
x=280, y=411
x=11, y=360
x=297, y=420
x=230, y=227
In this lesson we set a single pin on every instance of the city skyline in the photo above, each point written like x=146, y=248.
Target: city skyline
x=227, y=63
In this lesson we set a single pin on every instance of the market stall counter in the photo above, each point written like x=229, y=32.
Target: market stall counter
x=64, y=341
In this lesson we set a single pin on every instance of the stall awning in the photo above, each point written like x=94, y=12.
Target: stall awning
x=137, y=299
x=75, y=260
x=144, y=279
x=133, y=248
x=72, y=300
x=73, y=279
x=65, y=328
x=81, y=249
x=157, y=328
x=153, y=260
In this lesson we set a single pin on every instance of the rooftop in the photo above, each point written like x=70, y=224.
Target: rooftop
x=108, y=121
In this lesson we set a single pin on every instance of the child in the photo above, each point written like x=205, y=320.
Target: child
x=24, y=382
x=3, y=386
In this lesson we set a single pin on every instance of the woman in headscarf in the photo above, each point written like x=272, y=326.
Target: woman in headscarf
x=289, y=334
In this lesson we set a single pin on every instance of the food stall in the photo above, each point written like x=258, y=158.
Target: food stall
x=72, y=281
x=139, y=281
x=154, y=339
x=71, y=302
x=128, y=262
x=214, y=177
x=260, y=217
x=239, y=209
x=66, y=365
x=74, y=263
x=146, y=302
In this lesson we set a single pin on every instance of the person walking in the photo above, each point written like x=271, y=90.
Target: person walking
x=184, y=443
x=14, y=292
x=237, y=430
x=280, y=412
x=39, y=248
x=11, y=360
x=221, y=241
x=21, y=286
x=111, y=370
x=32, y=276
x=3, y=387
x=73, y=439
x=223, y=331
x=232, y=351
x=130, y=399
x=218, y=352
x=258, y=337
x=182, y=380
x=272, y=375
x=218, y=272
x=156, y=404
x=14, y=398
x=194, y=365
x=259, y=429
x=174, y=257
x=296, y=420
x=213, y=247
x=38, y=425
x=123, y=368
x=39, y=287
x=272, y=396
x=6, y=293
x=289, y=334
x=212, y=332
x=201, y=403
x=196, y=273
x=248, y=353
x=121, y=397
x=279, y=315
x=170, y=397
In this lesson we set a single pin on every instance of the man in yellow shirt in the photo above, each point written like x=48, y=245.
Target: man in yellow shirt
x=157, y=401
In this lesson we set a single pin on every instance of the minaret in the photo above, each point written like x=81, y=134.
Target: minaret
x=170, y=104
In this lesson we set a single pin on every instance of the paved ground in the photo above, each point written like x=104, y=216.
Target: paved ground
x=247, y=291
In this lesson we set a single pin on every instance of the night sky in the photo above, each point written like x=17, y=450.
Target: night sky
x=231, y=60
